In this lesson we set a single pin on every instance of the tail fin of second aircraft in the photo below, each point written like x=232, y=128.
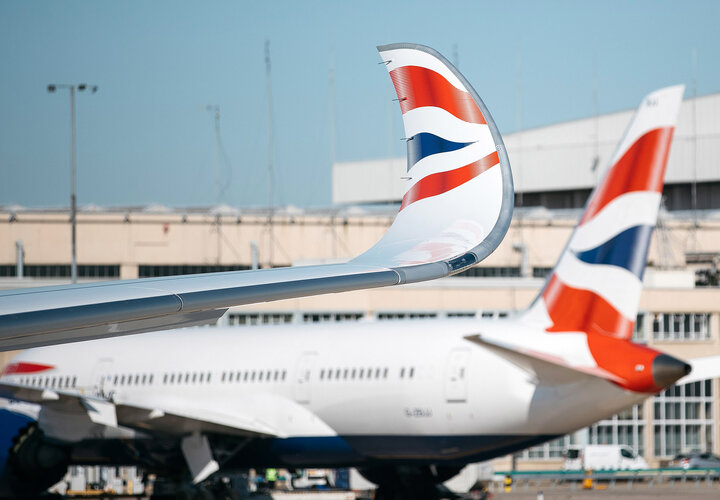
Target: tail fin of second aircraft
x=596, y=284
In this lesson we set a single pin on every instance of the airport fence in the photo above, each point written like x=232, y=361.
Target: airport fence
x=708, y=477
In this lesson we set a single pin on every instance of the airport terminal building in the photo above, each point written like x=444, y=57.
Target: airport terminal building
x=554, y=167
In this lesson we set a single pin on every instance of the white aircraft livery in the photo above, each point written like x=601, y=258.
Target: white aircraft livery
x=407, y=402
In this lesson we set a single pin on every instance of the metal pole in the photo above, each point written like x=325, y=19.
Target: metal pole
x=73, y=197
x=271, y=173
x=19, y=266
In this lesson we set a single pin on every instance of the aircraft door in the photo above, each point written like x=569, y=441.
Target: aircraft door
x=456, y=376
x=101, y=376
x=302, y=377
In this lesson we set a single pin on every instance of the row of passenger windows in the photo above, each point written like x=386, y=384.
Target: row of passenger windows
x=56, y=382
x=254, y=376
x=371, y=373
x=187, y=378
x=137, y=379
x=362, y=373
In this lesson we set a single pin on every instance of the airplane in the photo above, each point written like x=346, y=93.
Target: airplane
x=453, y=216
x=408, y=403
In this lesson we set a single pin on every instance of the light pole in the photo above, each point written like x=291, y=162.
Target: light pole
x=73, y=183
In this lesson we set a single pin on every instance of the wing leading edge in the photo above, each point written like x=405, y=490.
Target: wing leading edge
x=455, y=212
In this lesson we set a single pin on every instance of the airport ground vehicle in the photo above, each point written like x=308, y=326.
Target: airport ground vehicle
x=695, y=460
x=603, y=457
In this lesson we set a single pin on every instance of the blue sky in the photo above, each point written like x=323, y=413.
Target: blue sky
x=147, y=137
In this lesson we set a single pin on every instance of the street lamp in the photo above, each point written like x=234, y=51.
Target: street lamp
x=73, y=199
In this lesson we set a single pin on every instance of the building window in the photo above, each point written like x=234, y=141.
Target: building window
x=541, y=272
x=681, y=326
x=101, y=271
x=150, y=271
x=490, y=272
x=683, y=419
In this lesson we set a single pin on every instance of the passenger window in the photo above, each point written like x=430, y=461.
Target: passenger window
x=362, y=372
x=337, y=373
x=187, y=377
x=150, y=381
x=322, y=374
x=222, y=377
x=352, y=375
x=137, y=379
x=144, y=379
x=402, y=372
x=345, y=373
x=277, y=374
x=74, y=381
x=260, y=375
x=412, y=373
x=122, y=380
x=208, y=377
x=246, y=375
x=172, y=378
x=202, y=376
x=385, y=372
x=283, y=375
x=194, y=377
x=330, y=374
x=252, y=377
x=267, y=376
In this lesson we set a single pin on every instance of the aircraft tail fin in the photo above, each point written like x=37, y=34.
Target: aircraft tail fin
x=596, y=284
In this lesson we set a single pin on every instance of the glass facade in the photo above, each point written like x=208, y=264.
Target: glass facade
x=683, y=419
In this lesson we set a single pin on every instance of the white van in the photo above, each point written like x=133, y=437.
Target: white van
x=602, y=457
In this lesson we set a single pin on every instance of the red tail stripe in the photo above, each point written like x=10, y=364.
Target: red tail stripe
x=25, y=368
x=641, y=168
x=575, y=310
x=631, y=362
x=442, y=182
x=417, y=87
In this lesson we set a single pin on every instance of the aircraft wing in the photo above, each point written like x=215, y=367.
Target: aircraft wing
x=270, y=416
x=702, y=369
x=456, y=210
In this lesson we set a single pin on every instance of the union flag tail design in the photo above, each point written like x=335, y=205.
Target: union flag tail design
x=457, y=167
x=595, y=286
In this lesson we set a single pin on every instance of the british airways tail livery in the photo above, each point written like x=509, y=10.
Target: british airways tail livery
x=456, y=211
x=407, y=402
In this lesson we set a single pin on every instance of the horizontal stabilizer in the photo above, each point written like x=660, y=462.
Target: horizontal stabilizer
x=547, y=368
x=702, y=369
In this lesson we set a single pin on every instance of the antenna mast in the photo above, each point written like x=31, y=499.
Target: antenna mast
x=271, y=173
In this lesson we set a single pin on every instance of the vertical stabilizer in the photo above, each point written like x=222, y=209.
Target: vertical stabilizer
x=596, y=284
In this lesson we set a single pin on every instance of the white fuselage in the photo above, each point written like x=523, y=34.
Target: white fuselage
x=404, y=379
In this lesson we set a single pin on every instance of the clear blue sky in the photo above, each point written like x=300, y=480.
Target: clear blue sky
x=146, y=136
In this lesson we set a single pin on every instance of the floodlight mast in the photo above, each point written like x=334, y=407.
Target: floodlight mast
x=73, y=176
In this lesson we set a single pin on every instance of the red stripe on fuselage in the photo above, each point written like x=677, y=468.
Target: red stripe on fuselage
x=641, y=168
x=442, y=182
x=25, y=368
x=575, y=310
x=417, y=87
